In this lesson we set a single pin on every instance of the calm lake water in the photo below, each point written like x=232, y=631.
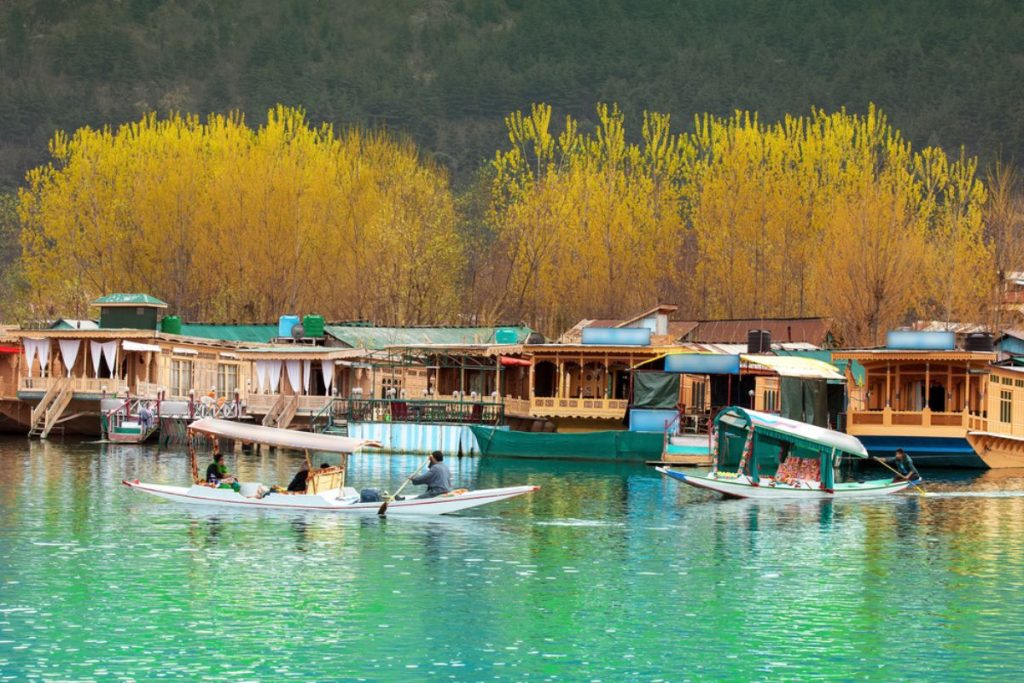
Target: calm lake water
x=607, y=573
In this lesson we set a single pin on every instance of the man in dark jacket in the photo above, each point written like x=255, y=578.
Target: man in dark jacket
x=437, y=477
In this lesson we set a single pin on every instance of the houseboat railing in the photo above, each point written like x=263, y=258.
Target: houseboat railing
x=79, y=385
x=913, y=418
x=426, y=411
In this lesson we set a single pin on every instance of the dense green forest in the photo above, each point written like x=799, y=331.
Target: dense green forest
x=447, y=71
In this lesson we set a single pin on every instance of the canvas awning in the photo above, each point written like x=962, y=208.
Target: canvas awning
x=505, y=360
x=796, y=431
x=184, y=352
x=283, y=438
x=9, y=349
x=792, y=366
x=128, y=345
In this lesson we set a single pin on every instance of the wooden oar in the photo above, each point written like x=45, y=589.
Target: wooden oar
x=920, y=489
x=384, y=507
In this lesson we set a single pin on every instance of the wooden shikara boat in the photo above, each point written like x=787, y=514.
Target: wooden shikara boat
x=325, y=488
x=764, y=456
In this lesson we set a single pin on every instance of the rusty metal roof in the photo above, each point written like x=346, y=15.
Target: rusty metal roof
x=810, y=330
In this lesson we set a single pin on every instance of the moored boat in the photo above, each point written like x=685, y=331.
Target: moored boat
x=325, y=488
x=764, y=456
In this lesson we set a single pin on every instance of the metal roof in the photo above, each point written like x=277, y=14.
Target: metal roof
x=811, y=330
x=259, y=334
x=129, y=300
x=382, y=337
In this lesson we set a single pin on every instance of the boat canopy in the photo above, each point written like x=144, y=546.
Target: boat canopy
x=282, y=438
x=795, y=366
x=799, y=433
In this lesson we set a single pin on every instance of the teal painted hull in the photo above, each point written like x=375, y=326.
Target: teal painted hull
x=618, y=445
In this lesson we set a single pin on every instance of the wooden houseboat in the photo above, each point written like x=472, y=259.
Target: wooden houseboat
x=1000, y=444
x=922, y=394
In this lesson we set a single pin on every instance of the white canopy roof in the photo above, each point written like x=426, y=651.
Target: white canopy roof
x=283, y=438
x=129, y=345
x=795, y=366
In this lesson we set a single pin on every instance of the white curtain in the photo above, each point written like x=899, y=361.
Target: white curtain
x=293, y=374
x=69, y=352
x=43, y=349
x=31, y=348
x=327, y=368
x=96, y=351
x=261, y=373
x=305, y=376
x=110, y=353
x=274, y=373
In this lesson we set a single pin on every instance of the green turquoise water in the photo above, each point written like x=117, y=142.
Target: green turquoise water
x=607, y=573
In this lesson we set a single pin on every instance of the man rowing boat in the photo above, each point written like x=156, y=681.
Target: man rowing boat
x=437, y=477
x=904, y=467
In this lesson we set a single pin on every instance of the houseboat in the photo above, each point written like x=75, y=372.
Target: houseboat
x=1000, y=444
x=922, y=394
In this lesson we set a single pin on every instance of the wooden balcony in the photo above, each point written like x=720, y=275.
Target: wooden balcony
x=912, y=423
x=260, y=404
x=601, y=408
x=79, y=385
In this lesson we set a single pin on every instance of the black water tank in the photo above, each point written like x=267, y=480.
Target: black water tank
x=759, y=341
x=979, y=341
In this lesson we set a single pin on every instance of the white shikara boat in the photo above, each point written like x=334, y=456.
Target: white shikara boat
x=325, y=488
x=764, y=456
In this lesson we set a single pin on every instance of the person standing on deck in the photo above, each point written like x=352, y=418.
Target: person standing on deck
x=904, y=465
x=437, y=477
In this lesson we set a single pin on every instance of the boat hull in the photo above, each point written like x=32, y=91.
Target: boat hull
x=998, y=451
x=614, y=445
x=742, y=487
x=927, y=452
x=343, y=500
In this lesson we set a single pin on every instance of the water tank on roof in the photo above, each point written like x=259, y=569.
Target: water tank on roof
x=505, y=335
x=759, y=341
x=171, y=324
x=314, y=325
x=285, y=325
x=979, y=341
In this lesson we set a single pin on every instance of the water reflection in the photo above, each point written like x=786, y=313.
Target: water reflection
x=609, y=572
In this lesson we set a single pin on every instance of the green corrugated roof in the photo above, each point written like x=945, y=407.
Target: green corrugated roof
x=260, y=334
x=360, y=337
x=129, y=300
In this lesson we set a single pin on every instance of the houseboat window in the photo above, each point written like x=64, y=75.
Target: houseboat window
x=227, y=379
x=993, y=379
x=181, y=377
x=1018, y=382
x=1005, y=406
x=1007, y=381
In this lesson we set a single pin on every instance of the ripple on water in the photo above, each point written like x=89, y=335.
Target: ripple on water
x=608, y=573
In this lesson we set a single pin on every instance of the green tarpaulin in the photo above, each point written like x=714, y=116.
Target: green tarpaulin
x=655, y=390
x=805, y=400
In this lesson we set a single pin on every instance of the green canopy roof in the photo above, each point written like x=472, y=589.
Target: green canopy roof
x=260, y=334
x=129, y=300
x=362, y=337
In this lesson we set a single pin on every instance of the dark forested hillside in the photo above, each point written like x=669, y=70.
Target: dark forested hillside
x=446, y=71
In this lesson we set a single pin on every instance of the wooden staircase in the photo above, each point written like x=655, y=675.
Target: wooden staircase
x=282, y=412
x=52, y=406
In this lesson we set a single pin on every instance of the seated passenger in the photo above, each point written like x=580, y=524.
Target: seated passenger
x=298, y=482
x=218, y=475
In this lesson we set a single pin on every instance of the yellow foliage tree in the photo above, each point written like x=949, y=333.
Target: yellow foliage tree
x=231, y=223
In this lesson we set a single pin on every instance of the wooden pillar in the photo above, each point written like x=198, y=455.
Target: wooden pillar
x=530, y=389
x=949, y=389
x=967, y=389
x=561, y=378
x=927, y=383
x=888, y=388
x=497, y=377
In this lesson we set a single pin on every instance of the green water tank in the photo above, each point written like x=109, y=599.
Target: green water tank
x=171, y=324
x=314, y=325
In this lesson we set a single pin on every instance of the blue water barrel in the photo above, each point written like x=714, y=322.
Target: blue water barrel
x=285, y=325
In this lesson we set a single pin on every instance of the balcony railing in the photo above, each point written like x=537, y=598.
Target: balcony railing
x=260, y=404
x=79, y=385
x=578, y=407
x=879, y=422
